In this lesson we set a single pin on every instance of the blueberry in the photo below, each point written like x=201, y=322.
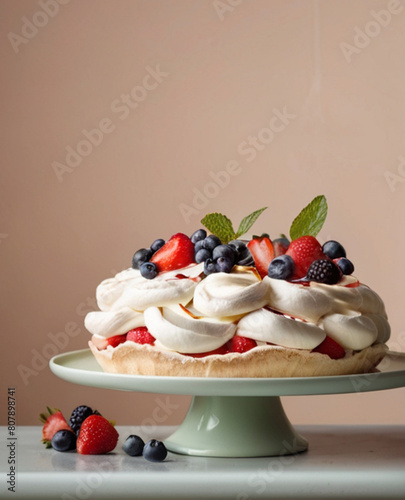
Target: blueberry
x=211, y=242
x=223, y=265
x=133, y=445
x=323, y=271
x=209, y=266
x=281, y=268
x=64, y=440
x=333, y=249
x=141, y=256
x=198, y=235
x=157, y=244
x=202, y=255
x=345, y=265
x=149, y=270
x=155, y=451
x=224, y=251
x=199, y=245
x=243, y=255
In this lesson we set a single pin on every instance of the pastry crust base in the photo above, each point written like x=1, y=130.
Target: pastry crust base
x=260, y=362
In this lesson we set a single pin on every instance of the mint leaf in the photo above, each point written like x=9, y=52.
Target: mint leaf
x=311, y=218
x=248, y=221
x=219, y=225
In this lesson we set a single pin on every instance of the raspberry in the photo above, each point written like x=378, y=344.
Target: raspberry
x=141, y=335
x=324, y=271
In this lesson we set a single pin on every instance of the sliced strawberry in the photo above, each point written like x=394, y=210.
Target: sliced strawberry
x=54, y=421
x=304, y=251
x=331, y=348
x=97, y=436
x=102, y=343
x=176, y=253
x=262, y=251
x=221, y=350
x=141, y=335
x=240, y=344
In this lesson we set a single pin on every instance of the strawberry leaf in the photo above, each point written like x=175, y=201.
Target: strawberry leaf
x=311, y=219
x=219, y=225
x=248, y=221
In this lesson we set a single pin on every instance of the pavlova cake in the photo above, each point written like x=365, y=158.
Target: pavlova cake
x=218, y=305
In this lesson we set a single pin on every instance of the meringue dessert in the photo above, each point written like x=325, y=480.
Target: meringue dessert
x=217, y=305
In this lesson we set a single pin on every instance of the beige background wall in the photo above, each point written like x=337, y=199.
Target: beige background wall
x=218, y=72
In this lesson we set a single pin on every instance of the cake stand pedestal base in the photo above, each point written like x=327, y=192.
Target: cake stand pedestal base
x=234, y=426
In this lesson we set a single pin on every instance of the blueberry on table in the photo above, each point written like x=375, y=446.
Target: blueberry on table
x=281, y=268
x=64, y=440
x=133, y=445
x=140, y=256
x=149, y=270
x=155, y=451
x=333, y=249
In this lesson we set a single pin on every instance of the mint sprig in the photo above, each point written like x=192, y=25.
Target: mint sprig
x=311, y=218
x=221, y=225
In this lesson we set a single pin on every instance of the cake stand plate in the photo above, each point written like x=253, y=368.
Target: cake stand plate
x=232, y=417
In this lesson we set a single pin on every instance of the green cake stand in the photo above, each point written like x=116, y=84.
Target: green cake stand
x=235, y=417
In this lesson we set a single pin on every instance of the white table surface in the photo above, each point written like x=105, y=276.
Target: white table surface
x=349, y=462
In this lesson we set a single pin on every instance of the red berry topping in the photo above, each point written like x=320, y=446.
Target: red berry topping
x=97, y=436
x=176, y=253
x=54, y=421
x=140, y=335
x=331, y=348
x=240, y=344
x=304, y=251
x=221, y=350
x=102, y=343
x=262, y=251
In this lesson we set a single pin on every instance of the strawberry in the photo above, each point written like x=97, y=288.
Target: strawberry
x=54, y=421
x=304, y=250
x=240, y=344
x=97, y=436
x=140, y=335
x=331, y=348
x=262, y=251
x=102, y=343
x=176, y=253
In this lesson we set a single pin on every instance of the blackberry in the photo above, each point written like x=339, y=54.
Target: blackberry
x=323, y=271
x=78, y=416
